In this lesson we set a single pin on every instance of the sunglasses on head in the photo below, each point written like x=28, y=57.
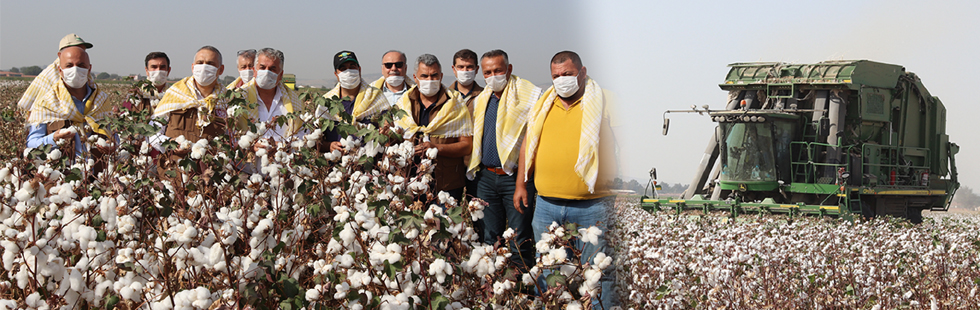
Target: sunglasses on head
x=398, y=65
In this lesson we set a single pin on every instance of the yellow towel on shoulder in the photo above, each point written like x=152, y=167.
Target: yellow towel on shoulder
x=452, y=120
x=52, y=102
x=593, y=106
x=369, y=102
x=184, y=95
x=290, y=101
x=512, y=115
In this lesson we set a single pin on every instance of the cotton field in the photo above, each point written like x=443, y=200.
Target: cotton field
x=762, y=262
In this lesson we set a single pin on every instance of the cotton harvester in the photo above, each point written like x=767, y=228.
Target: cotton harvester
x=838, y=138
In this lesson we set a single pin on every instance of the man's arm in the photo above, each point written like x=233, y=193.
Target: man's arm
x=520, y=190
x=38, y=136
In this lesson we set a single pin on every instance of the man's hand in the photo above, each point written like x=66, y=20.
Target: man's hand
x=63, y=134
x=520, y=198
x=421, y=148
x=336, y=146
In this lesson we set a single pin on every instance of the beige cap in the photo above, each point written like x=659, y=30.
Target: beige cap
x=72, y=40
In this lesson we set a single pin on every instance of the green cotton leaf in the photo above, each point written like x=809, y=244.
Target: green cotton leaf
x=111, y=301
x=556, y=278
x=290, y=286
x=279, y=247
x=74, y=175
x=439, y=302
x=97, y=220
x=390, y=270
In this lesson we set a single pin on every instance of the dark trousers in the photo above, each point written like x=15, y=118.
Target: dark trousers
x=498, y=191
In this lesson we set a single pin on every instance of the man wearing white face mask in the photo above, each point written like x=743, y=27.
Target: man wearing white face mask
x=392, y=82
x=192, y=105
x=500, y=116
x=360, y=100
x=570, y=133
x=61, y=108
x=438, y=119
x=157, y=70
x=246, y=65
x=465, y=68
x=272, y=99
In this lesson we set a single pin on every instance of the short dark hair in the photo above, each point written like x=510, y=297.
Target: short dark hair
x=464, y=54
x=213, y=49
x=155, y=55
x=564, y=56
x=495, y=53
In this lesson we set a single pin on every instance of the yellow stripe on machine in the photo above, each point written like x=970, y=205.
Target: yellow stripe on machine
x=676, y=200
x=913, y=192
x=829, y=208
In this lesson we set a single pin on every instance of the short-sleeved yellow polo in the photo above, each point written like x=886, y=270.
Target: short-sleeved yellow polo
x=554, y=164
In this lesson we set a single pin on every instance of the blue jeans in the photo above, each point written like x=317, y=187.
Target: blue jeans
x=593, y=212
x=498, y=191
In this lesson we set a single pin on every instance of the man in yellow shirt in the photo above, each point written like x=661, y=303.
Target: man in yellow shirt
x=569, y=131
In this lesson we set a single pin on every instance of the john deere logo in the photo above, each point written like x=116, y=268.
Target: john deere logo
x=741, y=187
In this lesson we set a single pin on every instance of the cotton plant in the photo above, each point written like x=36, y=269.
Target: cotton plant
x=355, y=228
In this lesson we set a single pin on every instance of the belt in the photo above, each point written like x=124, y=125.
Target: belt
x=497, y=170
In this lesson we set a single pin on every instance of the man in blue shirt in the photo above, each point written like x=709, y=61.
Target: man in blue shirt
x=69, y=102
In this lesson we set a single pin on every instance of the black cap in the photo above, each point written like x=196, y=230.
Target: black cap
x=342, y=57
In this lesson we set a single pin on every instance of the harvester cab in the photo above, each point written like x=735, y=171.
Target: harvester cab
x=835, y=138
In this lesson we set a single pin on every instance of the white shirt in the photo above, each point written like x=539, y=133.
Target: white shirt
x=393, y=96
x=266, y=115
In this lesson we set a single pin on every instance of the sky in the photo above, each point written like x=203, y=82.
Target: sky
x=655, y=55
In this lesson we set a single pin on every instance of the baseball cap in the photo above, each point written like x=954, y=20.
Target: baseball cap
x=72, y=40
x=342, y=57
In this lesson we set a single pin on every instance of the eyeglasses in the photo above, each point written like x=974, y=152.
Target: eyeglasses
x=398, y=65
x=244, y=52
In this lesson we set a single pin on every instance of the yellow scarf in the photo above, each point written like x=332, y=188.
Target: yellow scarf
x=593, y=105
x=452, y=120
x=369, y=102
x=52, y=102
x=512, y=115
x=290, y=101
x=41, y=86
x=183, y=95
x=235, y=82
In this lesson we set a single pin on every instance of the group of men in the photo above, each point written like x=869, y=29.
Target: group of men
x=535, y=157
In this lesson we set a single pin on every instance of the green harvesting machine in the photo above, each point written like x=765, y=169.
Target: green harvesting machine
x=839, y=138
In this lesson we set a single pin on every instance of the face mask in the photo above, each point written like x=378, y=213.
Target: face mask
x=266, y=79
x=350, y=78
x=158, y=77
x=246, y=75
x=465, y=77
x=205, y=74
x=75, y=77
x=497, y=82
x=395, y=80
x=566, y=86
x=429, y=88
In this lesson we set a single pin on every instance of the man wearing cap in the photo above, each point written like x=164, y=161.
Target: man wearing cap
x=66, y=99
x=438, y=119
x=157, y=71
x=465, y=68
x=246, y=64
x=570, y=132
x=360, y=100
x=500, y=116
x=192, y=106
x=392, y=82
